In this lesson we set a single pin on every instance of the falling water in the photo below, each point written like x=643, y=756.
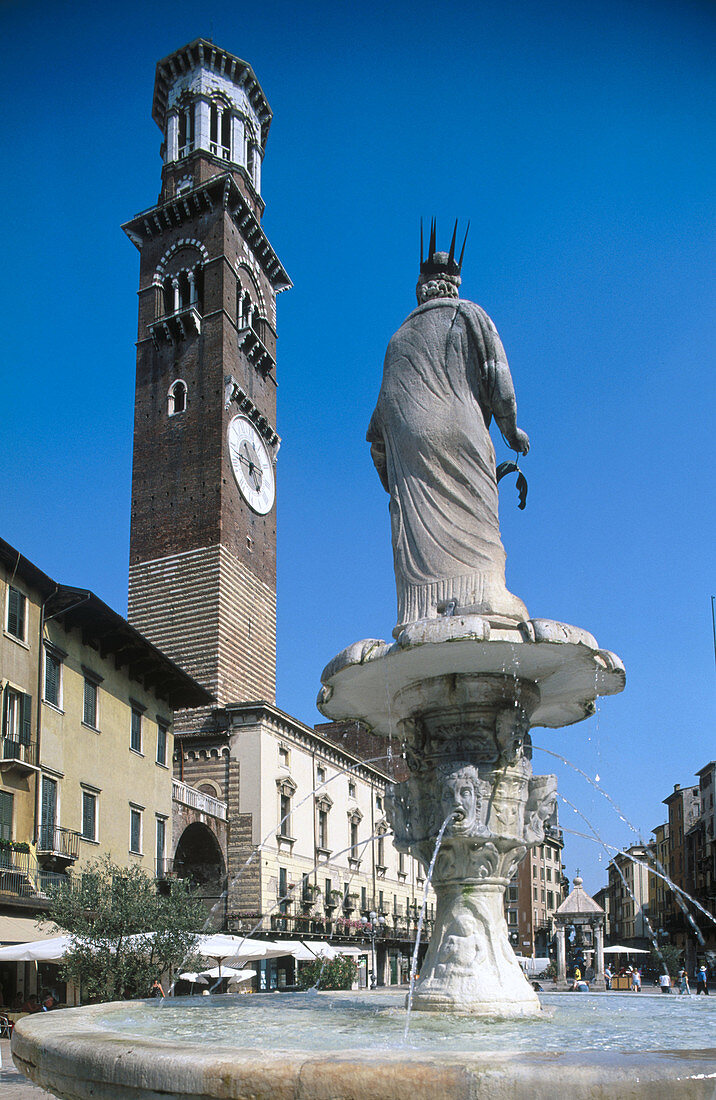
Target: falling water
x=594, y=783
x=414, y=964
x=678, y=892
x=630, y=892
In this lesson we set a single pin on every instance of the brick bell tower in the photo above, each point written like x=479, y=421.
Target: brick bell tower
x=202, y=579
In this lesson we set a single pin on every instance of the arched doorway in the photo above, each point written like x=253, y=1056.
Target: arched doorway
x=198, y=857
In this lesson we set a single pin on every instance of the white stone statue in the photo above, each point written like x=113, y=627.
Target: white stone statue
x=445, y=377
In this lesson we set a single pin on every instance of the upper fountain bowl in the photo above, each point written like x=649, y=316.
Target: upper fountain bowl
x=564, y=662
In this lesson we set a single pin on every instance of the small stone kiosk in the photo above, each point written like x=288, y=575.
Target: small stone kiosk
x=582, y=913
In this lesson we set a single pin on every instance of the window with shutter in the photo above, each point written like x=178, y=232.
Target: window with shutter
x=26, y=719
x=135, y=740
x=161, y=743
x=16, y=605
x=135, y=831
x=89, y=815
x=90, y=703
x=6, y=804
x=53, y=669
x=48, y=813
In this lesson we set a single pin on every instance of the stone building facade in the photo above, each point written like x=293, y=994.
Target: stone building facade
x=534, y=896
x=628, y=886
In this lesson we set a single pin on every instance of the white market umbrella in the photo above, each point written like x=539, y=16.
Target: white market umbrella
x=195, y=979
x=52, y=950
x=617, y=950
x=222, y=947
x=223, y=972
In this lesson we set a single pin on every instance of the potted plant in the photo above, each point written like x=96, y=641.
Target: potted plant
x=333, y=899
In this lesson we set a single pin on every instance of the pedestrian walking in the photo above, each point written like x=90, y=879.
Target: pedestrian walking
x=684, y=983
x=665, y=983
x=636, y=980
x=702, y=981
x=608, y=977
x=156, y=990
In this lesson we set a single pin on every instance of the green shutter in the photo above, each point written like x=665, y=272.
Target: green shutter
x=26, y=719
x=48, y=810
x=52, y=678
x=5, y=815
x=16, y=613
x=88, y=816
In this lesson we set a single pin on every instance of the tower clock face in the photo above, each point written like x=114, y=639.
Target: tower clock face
x=252, y=465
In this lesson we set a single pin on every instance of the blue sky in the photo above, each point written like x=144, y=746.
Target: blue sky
x=578, y=138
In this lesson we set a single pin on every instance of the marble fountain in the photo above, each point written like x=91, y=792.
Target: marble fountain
x=465, y=678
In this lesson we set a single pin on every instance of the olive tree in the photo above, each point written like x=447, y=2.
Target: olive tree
x=124, y=932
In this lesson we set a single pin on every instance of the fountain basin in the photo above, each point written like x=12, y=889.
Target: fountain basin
x=350, y=1046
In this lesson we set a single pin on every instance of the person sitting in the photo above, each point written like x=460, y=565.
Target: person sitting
x=31, y=1004
x=49, y=1003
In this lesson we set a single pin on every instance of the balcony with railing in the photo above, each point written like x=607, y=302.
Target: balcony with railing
x=183, y=321
x=164, y=869
x=198, y=800
x=342, y=928
x=59, y=843
x=252, y=341
x=21, y=879
x=18, y=755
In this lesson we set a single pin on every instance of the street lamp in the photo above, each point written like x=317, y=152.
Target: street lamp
x=373, y=925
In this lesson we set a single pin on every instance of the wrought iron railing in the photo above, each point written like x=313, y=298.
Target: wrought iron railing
x=56, y=841
x=20, y=877
x=22, y=752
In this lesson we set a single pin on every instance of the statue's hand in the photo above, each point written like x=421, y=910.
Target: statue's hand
x=519, y=441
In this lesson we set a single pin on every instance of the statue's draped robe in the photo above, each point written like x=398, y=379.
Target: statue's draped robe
x=445, y=376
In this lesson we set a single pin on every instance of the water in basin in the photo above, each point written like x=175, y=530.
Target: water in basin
x=328, y=1022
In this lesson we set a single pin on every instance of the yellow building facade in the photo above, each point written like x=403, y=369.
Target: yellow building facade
x=87, y=740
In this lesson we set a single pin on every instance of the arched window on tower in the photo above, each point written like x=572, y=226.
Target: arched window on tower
x=168, y=295
x=177, y=397
x=244, y=311
x=186, y=130
x=184, y=295
x=220, y=131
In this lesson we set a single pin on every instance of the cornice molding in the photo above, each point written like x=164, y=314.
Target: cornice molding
x=214, y=193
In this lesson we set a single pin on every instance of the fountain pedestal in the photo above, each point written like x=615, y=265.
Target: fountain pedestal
x=458, y=697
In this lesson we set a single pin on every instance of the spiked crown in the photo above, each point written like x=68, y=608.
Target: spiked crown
x=441, y=263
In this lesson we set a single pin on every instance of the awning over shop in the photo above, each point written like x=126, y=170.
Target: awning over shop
x=23, y=929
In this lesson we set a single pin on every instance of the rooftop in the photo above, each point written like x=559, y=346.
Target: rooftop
x=106, y=630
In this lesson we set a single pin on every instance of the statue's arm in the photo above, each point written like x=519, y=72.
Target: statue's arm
x=504, y=405
x=497, y=389
x=377, y=452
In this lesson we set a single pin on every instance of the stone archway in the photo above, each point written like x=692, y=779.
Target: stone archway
x=198, y=857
